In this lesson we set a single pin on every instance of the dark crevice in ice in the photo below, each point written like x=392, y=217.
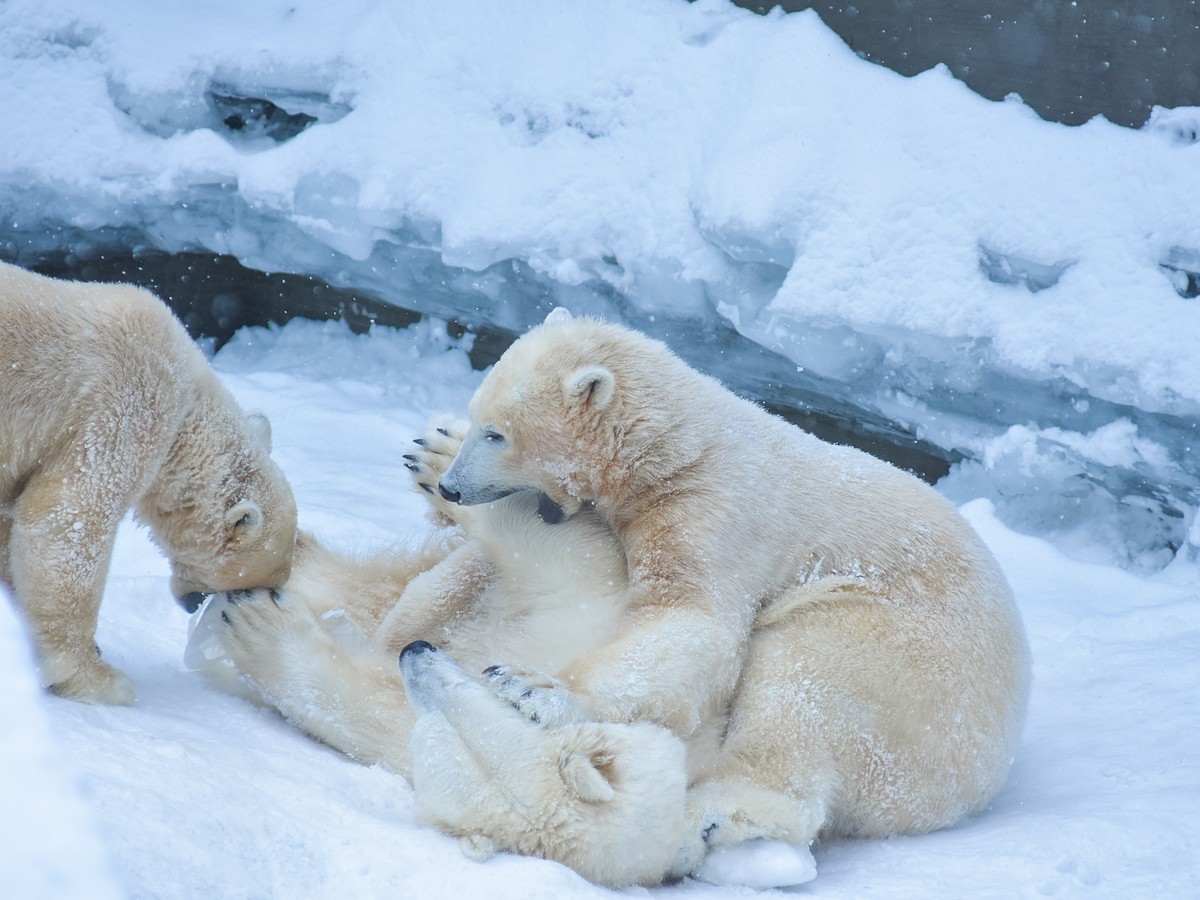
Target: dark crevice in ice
x=214, y=295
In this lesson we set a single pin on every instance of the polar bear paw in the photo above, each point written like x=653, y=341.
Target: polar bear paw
x=760, y=864
x=94, y=681
x=270, y=642
x=541, y=698
x=428, y=461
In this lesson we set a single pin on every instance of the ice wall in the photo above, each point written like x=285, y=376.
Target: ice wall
x=892, y=254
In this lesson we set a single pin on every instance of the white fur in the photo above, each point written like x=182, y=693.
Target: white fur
x=512, y=592
x=832, y=643
x=106, y=405
x=608, y=798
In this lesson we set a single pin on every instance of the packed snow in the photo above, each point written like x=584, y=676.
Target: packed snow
x=1022, y=293
x=1004, y=287
x=195, y=793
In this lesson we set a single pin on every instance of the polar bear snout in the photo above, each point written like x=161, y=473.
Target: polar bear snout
x=417, y=647
x=427, y=672
x=450, y=496
x=192, y=600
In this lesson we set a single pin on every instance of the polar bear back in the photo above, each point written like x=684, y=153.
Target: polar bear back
x=72, y=349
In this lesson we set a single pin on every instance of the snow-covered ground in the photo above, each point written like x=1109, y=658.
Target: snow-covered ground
x=195, y=794
x=1017, y=291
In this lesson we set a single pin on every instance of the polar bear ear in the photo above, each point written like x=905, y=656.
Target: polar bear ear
x=558, y=314
x=583, y=775
x=259, y=427
x=244, y=517
x=592, y=387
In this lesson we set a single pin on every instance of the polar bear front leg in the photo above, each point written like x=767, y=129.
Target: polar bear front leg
x=349, y=697
x=539, y=697
x=58, y=555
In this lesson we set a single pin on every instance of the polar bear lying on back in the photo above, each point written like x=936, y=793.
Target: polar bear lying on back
x=607, y=798
x=832, y=643
x=106, y=405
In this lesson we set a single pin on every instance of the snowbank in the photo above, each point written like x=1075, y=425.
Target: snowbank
x=956, y=265
x=194, y=793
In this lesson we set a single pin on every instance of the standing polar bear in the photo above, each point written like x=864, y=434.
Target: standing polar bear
x=833, y=646
x=106, y=405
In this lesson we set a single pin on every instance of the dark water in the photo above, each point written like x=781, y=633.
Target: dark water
x=1069, y=61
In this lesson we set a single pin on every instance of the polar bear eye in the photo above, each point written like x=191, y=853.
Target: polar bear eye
x=490, y=434
x=244, y=517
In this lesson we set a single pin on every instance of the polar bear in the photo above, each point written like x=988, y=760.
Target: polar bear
x=833, y=645
x=106, y=406
x=608, y=798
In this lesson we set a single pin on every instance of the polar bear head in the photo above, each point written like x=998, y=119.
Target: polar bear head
x=220, y=507
x=565, y=412
x=606, y=800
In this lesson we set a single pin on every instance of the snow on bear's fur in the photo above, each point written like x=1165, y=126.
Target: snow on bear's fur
x=609, y=798
x=833, y=645
x=106, y=406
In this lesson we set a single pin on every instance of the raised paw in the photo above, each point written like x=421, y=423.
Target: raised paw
x=263, y=635
x=250, y=615
x=428, y=460
x=539, y=697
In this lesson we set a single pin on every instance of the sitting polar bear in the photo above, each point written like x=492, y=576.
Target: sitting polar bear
x=833, y=645
x=106, y=405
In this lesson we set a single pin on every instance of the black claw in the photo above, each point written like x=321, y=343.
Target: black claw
x=420, y=441
x=492, y=671
x=409, y=456
x=428, y=488
x=275, y=596
x=225, y=617
x=525, y=695
x=443, y=431
x=412, y=467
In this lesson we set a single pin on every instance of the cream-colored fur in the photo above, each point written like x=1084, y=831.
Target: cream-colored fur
x=834, y=645
x=607, y=798
x=509, y=587
x=106, y=405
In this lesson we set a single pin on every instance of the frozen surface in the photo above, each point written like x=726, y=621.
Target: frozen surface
x=192, y=793
x=1015, y=291
x=49, y=843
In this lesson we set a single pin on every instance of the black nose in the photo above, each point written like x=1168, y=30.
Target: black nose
x=192, y=600
x=452, y=496
x=549, y=511
x=418, y=647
